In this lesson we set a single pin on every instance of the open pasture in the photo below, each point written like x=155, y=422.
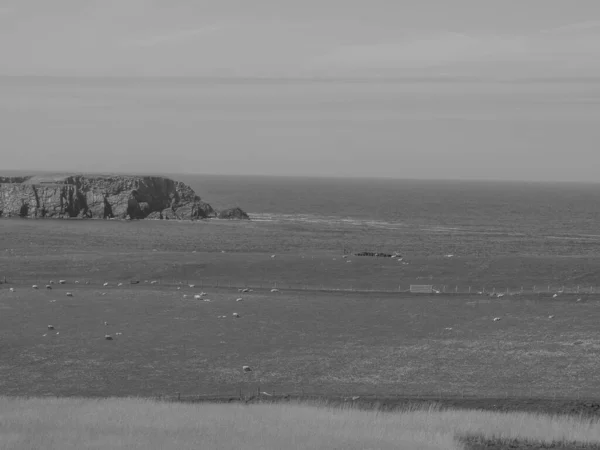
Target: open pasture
x=295, y=342
x=307, y=255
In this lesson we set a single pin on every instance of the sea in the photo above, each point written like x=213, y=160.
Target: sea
x=553, y=210
x=192, y=129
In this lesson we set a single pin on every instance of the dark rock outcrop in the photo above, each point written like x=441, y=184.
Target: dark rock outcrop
x=101, y=196
x=233, y=213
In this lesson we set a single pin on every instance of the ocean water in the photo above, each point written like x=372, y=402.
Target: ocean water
x=560, y=210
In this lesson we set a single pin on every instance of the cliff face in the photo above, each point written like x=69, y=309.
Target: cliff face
x=100, y=196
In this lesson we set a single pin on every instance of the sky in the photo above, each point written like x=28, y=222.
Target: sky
x=292, y=38
x=485, y=129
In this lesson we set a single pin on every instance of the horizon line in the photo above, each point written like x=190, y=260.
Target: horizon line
x=168, y=174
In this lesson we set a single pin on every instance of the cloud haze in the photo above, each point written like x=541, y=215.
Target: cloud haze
x=269, y=37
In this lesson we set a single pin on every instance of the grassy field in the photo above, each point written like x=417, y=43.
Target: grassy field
x=308, y=255
x=65, y=424
x=296, y=342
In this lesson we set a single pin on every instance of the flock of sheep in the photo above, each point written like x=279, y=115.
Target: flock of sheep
x=108, y=337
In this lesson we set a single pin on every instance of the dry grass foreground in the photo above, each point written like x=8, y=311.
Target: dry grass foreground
x=61, y=423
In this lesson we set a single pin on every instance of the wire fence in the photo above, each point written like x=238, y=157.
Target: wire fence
x=265, y=394
x=405, y=288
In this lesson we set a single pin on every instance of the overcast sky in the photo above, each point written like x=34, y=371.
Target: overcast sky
x=534, y=131
x=339, y=37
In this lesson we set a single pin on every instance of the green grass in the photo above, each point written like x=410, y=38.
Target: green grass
x=329, y=343
x=321, y=343
x=65, y=424
x=97, y=249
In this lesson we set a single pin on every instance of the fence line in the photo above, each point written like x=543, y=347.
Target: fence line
x=251, y=393
x=453, y=288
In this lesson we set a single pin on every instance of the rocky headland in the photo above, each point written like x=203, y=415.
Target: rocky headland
x=104, y=197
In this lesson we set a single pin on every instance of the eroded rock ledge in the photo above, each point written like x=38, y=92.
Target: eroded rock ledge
x=103, y=197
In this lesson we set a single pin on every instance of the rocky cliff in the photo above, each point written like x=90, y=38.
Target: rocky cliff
x=100, y=196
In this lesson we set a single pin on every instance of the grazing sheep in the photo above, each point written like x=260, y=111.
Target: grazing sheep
x=207, y=300
x=103, y=293
x=500, y=295
x=76, y=282
x=51, y=282
x=52, y=301
x=197, y=297
x=239, y=299
x=178, y=288
x=105, y=284
x=555, y=295
x=120, y=284
x=578, y=300
x=69, y=294
x=272, y=256
x=51, y=327
x=64, y=281
x=246, y=290
x=105, y=323
x=108, y=337
x=34, y=286
x=236, y=315
x=48, y=286
x=87, y=282
x=119, y=334
x=448, y=328
x=345, y=256
x=58, y=332
x=185, y=296
x=274, y=290
x=12, y=289
x=44, y=335
x=153, y=282
x=191, y=285
x=550, y=317
x=246, y=369
x=496, y=319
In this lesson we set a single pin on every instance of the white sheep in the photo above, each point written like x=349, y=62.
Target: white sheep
x=272, y=256
x=207, y=300
x=120, y=284
x=496, y=319
x=105, y=284
x=239, y=299
x=51, y=327
x=191, y=285
x=245, y=290
x=236, y=315
x=34, y=286
x=246, y=369
x=185, y=296
x=12, y=289
x=197, y=296
x=274, y=290
x=118, y=333
x=69, y=294
x=51, y=282
x=153, y=282
x=551, y=317
x=555, y=295
x=108, y=337
x=76, y=282
x=48, y=286
x=178, y=288
x=64, y=281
